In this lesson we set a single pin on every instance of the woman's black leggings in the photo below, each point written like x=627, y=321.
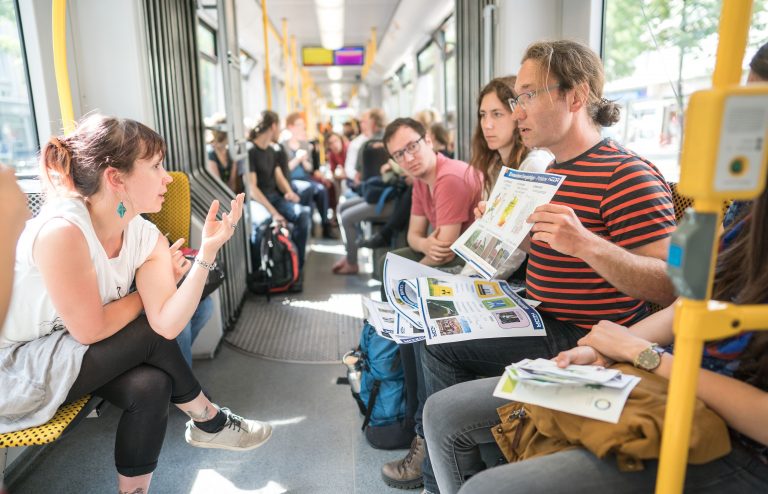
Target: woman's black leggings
x=140, y=372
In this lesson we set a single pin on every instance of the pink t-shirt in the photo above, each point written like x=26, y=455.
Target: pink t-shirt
x=454, y=196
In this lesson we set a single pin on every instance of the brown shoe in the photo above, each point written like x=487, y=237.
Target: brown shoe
x=406, y=473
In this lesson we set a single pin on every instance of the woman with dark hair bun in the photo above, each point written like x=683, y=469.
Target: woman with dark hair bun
x=75, y=328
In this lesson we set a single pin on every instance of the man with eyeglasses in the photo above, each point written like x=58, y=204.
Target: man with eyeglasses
x=445, y=192
x=597, y=252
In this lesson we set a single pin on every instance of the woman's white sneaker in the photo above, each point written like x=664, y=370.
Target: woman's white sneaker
x=238, y=434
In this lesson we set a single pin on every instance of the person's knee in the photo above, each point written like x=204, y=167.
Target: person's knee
x=148, y=388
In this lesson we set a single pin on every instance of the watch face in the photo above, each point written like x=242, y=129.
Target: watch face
x=648, y=359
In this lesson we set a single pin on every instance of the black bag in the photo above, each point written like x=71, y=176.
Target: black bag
x=275, y=261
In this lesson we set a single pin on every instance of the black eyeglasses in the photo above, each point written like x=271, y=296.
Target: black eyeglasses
x=526, y=98
x=410, y=148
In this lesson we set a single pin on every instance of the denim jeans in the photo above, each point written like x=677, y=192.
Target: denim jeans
x=449, y=364
x=578, y=471
x=311, y=192
x=193, y=327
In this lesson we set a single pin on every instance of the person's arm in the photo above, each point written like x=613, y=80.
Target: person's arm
x=73, y=285
x=745, y=406
x=15, y=213
x=258, y=196
x=285, y=186
x=169, y=309
x=640, y=272
x=213, y=168
x=435, y=246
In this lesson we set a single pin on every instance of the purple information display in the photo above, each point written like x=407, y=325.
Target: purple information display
x=349, y=55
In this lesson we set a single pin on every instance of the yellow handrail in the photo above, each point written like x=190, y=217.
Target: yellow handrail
x=59, y=29
x=698, y=320
x=288, y=67
x=267, y=75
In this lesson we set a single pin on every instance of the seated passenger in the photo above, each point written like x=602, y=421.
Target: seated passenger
x=495, y=142
x=445, y=192
x=271, y=188
x=735, y=369
x=308, y=182
x=220, y=163
x=74, y=327
x=598, y=250
x=14, y=211
x=440, y=139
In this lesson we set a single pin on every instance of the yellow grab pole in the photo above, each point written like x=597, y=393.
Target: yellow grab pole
x=693, y=322
x=296, y=76
x=267, y=75
x=373, y=45
x=287, y=66
x=59, y=30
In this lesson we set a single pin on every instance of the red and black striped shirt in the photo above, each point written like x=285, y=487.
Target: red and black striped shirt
x=620, y=197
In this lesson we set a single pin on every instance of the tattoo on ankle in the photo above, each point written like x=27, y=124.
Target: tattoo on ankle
x=204, y=416
x=138, y=490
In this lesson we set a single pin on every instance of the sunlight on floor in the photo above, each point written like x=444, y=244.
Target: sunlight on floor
x=291, y=421
x=328, y=249
x=344, y=304
x=208, y=481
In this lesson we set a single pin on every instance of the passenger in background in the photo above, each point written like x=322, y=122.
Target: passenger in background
x=609, y=224
x=372, y=123
x=337, y=155
x=733, y=383
x=440, y=139
x=14, y=211
x=311, y=186
x=270, y=188
x=497, y=142
x=73, y=328
x=220, y=163
x=350, y=129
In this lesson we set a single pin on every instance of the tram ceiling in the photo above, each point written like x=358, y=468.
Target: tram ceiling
x=359, y=17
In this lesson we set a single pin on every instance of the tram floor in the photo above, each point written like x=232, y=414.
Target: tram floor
x=316, y=448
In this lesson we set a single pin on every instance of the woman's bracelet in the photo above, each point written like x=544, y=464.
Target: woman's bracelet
x=210, y=266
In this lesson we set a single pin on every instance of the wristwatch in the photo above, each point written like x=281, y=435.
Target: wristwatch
x=650, y=358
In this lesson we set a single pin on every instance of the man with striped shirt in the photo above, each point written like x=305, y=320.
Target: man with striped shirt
x=598, y=250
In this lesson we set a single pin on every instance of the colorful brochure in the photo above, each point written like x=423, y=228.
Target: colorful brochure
x=458, y=308
x=492, y=239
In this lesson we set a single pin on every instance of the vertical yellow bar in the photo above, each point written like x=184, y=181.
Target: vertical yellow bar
x=691, y=315
x=287, y=66
x=59, y=31
x=267, y=74
x=296, y=75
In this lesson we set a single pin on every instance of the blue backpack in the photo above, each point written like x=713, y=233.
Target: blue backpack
x=382, y=385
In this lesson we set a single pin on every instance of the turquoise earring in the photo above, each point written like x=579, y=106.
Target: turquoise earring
x=121, y=209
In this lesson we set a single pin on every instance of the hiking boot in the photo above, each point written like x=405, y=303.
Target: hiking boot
x=238, y=434
x=406, y=473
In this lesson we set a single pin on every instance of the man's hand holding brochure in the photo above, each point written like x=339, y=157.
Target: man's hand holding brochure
x=491, y=240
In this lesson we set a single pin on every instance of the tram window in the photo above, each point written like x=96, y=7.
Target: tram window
x=211, y=76
x=657, y=53
x=18, y=133
x=451, y=76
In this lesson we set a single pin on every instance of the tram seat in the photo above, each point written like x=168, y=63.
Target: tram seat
x=175, y=218
x=65, y=419
x=175, y=221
